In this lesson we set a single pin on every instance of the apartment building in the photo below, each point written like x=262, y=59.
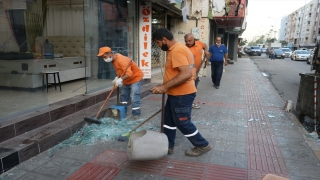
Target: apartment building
x=301, y=26
x=282, y=31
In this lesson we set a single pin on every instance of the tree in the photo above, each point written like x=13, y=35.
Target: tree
x=260, y=40
x=252, y=43
x=243, y=42
x=284, y=43
x=271, y=40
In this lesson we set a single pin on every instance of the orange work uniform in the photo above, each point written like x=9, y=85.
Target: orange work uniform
x=197, y=51
x=179, y=55
x=134, y=72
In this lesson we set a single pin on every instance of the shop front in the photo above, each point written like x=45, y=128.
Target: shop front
x=58, y=37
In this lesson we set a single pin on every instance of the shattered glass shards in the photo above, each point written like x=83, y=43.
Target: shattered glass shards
x=109, y=129
x=271, y=116
x=309, y=124
x=313, y=135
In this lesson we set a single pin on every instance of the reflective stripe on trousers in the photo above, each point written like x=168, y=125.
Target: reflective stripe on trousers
x=128, y=91
x=177, y=114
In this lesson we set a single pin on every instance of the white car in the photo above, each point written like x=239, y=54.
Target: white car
x=300, y=55
x=287, y=52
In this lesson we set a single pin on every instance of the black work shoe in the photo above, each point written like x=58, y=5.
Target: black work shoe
x=170, y=151
x=197, y=151
x=217, y=87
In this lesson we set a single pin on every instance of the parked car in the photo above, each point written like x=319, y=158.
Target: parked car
x=300, y=55
x=309, y=60
x=245, y=49
x=263, y=50
x=254, y=50
x=279, y=54
x=287, y=52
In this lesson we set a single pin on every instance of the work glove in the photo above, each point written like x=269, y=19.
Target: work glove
x=114, y=81
x=119, y=82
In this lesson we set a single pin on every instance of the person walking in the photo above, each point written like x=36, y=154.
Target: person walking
x=218, y=57
x=178, y=84
x=197, y=48
x=272, y=54
x=130, y=81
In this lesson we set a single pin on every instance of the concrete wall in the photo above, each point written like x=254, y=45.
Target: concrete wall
x=305, y=103
x=233, y=47
x=180, y=28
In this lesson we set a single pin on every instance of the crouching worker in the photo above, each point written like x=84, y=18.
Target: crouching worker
x=130, y=81
x=179, y=84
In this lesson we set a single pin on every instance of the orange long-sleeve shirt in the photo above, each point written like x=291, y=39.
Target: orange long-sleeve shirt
x=120, y=63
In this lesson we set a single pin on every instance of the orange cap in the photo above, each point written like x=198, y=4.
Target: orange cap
x=103, y=50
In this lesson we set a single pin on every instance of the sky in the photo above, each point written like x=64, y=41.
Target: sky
x=259, y=11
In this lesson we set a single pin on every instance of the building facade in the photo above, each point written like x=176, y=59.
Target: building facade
x=283, y=28
x=301, y=26
x=75, y=30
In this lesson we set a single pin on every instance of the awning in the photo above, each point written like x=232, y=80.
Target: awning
x=228, y=22
x=172, y=8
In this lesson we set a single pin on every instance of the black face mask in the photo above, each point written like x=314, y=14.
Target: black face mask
x=164, y=47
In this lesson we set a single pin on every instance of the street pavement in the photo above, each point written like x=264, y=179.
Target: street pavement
x=244, y=121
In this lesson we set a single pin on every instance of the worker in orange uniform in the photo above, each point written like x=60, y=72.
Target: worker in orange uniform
x=130, y=81
x=178, y=84
x=197, y=48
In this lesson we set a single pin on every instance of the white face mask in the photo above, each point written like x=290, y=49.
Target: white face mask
x=109, y=59
x=218, y=44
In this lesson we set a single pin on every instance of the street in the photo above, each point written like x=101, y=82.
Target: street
x=284, y=75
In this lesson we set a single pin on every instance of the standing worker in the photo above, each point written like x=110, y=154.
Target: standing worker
x=130, y=81
x=197, y=48
x=272, y=54
x=218, y=55
x=178, y=83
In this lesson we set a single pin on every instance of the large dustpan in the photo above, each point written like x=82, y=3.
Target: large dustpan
x=148, y=145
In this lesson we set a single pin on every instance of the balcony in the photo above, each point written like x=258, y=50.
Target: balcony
x=230, y=15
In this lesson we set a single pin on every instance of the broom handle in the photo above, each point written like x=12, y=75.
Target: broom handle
x=145, y=121
x=162, y=114
x=114, y=87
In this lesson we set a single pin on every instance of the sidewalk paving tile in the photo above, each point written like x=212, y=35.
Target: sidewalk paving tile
x=244, y=122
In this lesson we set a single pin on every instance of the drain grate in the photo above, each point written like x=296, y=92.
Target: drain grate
x=95, y=171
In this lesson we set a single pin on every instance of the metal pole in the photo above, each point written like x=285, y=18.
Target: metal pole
x=315, y=103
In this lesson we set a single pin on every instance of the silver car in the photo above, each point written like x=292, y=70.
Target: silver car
x=300, y=55
x=287, y=52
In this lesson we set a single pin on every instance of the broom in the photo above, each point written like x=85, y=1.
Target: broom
x=125, y=136
x=95, y=120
